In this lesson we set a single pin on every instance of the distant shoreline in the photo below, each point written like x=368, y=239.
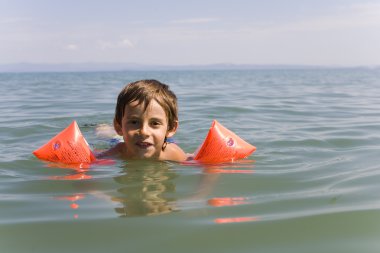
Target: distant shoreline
x=106, y=67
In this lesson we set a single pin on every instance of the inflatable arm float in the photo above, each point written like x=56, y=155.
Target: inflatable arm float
x=69, y=146
x=220, y=145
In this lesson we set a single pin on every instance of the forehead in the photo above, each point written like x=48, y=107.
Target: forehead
x=154, y=109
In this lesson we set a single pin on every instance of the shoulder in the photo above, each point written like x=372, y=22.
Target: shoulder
x=115, y=150
x=173, y=153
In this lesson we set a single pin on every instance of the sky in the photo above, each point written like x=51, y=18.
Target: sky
x=196, y=32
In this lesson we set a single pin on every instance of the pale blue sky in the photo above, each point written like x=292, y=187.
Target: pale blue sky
x=174, y=32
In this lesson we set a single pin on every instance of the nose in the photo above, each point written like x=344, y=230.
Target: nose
x=144, y=129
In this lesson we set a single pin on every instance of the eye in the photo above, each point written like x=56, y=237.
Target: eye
x=156, y=123
x=133, y=122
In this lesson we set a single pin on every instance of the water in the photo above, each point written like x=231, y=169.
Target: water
x=311, y=186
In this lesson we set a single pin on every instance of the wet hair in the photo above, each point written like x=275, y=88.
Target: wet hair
x=144, y=91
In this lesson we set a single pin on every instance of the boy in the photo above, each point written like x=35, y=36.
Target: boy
x=146, y=116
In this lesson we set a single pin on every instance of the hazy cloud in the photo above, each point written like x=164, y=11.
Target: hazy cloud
x=13, y=20
x=127, y=43
x=314, y=32
x=72, y=47
x=195, y=21
x=123, y=43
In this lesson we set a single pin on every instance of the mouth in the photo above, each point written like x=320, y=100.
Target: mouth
x=143, y=144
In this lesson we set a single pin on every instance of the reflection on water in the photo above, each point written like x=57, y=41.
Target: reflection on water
x=231, y=201
x=142, y=189
x=228, y=201
x=235, y=220
x=73, y=199
x=238, y=167
x=145, y=189
x=77, y=171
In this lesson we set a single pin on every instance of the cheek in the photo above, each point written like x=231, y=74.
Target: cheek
x=127, y=134
x=160, y=136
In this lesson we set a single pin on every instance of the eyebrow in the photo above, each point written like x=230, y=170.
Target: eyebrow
x=132, y=116
x=157, y=119
x=138, y=117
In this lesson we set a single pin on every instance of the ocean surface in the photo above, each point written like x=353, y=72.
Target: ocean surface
x=313, y=185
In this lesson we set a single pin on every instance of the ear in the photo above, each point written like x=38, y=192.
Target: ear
x=117, y=127
x=172, y=131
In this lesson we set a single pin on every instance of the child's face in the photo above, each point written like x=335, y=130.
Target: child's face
x=144, y=132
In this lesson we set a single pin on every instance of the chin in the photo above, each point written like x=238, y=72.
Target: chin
x=148, y=156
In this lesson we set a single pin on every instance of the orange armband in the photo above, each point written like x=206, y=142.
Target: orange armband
x=69, y=146
x=222, y=145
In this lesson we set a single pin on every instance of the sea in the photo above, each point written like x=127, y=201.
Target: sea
x=313, y=184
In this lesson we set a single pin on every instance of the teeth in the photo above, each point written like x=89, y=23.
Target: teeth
x=143, y=144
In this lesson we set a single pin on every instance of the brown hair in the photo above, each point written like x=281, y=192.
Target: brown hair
x=144, y=91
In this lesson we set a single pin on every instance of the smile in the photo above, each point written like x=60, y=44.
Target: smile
x=143, y=144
